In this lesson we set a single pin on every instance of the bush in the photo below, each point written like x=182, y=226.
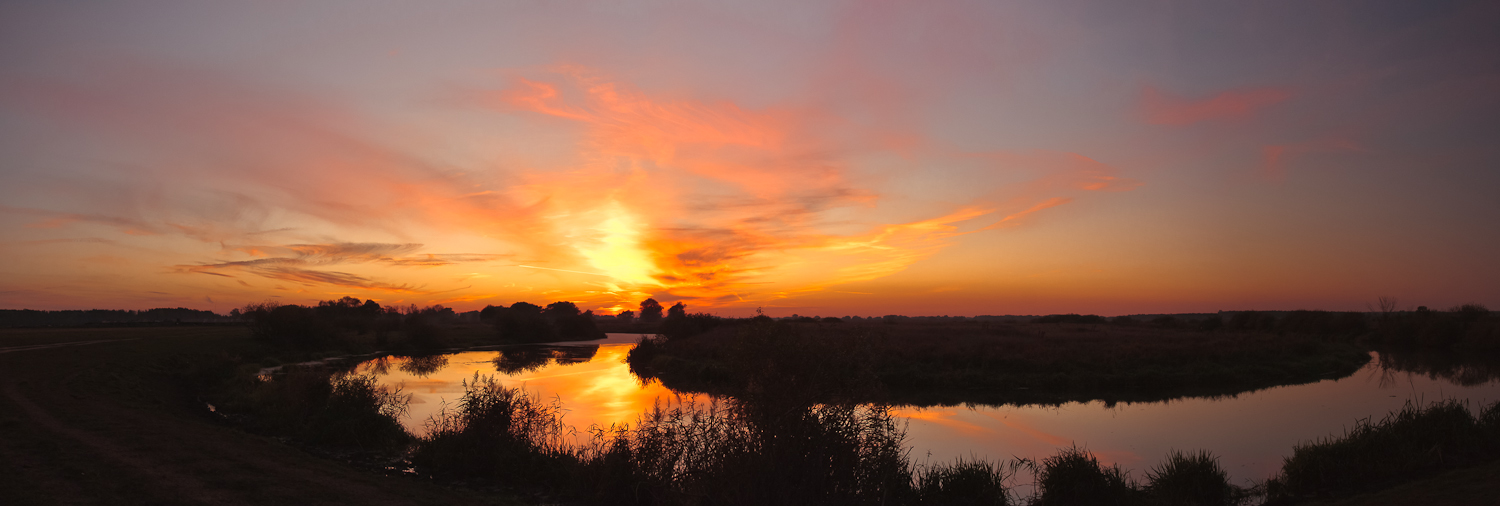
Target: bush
x=496, y=432
x=1074, y=476
x=1190, y=479
x=965, y=482
x=738, y=453
x=342, y=410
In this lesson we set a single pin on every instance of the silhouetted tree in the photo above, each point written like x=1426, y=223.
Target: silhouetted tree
x=679, y=323
x=626, y=316
x=524, y=322
x=650, y=311
x=568, y=323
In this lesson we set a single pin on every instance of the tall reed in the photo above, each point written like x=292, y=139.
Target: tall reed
x=1408, y=444
x=496, y=432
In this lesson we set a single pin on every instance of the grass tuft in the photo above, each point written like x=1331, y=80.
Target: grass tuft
x=1075, y=477
x=1190, y=479
x=964, y=482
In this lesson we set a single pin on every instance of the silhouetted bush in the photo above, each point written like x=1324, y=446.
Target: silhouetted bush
x=964, y=482
x=1075, y=477
x=497, y=433
x=739, y=453
x=340, y=410
x=1191, y=479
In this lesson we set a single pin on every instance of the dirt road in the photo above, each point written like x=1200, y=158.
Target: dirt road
x=87, y=417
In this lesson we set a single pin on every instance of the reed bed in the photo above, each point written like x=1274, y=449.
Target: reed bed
x=1409, y=444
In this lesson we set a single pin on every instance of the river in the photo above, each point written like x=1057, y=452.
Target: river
x=1251, y=432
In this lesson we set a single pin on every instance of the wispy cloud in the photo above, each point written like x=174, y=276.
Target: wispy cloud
x=656, y=193
x=303, y=260
x=1163, y=108
x=725, y=204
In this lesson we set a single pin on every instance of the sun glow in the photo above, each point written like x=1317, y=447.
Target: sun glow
x=619, y=252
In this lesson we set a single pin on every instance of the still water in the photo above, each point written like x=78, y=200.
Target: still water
x=1251, y=432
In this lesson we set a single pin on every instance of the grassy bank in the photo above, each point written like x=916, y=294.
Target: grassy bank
x=994, y=363
x=745, y=453
x=1410, y=444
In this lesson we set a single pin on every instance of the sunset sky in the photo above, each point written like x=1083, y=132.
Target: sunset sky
x=828, y=158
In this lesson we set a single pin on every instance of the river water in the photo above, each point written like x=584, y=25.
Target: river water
x=1251, y=432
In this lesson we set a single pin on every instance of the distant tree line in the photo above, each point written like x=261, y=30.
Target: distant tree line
x=529, y=323
x=75, y=318
x=332, y=321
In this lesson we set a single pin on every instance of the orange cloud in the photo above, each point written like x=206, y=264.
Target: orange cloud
x=1162, y=108
x=638, y=194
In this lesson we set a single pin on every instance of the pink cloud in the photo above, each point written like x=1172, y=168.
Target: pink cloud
x=1162, y=108
x=1275, y=157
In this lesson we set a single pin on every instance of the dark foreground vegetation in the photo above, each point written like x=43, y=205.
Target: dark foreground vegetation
x=359, y=327
x=1413, y=443
x=1057, y=358
x=125, y=422
x=994, y=363
x=772, y=449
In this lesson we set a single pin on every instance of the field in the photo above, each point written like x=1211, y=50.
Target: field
x=113, y=423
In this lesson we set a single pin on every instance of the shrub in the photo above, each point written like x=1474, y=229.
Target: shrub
x=342, y=410
x=496, y=432
x=964, y=482
x=1074, y=476
x=1190, y=479
x=736, y=453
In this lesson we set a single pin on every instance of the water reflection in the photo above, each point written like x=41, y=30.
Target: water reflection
x=593, y=382
x=523, y=359
x=1252, y=432
x=1462, y=369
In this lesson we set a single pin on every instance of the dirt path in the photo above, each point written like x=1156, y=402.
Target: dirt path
x=99, y=424
x=182, y=486
x=57, y=345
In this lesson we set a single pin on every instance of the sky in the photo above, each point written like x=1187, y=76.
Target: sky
x=814, y=158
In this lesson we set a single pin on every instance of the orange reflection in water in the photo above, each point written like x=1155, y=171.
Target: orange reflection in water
x=1251, y=432
x=601, y=391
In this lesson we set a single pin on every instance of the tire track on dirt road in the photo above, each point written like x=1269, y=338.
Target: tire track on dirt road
x=185, y=486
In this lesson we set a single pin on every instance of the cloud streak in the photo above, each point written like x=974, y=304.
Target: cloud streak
x=304, y=260
x=1163, y=108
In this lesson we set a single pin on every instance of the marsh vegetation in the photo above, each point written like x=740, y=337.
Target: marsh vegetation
x=803, y=414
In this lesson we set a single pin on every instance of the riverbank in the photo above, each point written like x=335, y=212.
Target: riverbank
x=991, y=362
x=118, y=421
